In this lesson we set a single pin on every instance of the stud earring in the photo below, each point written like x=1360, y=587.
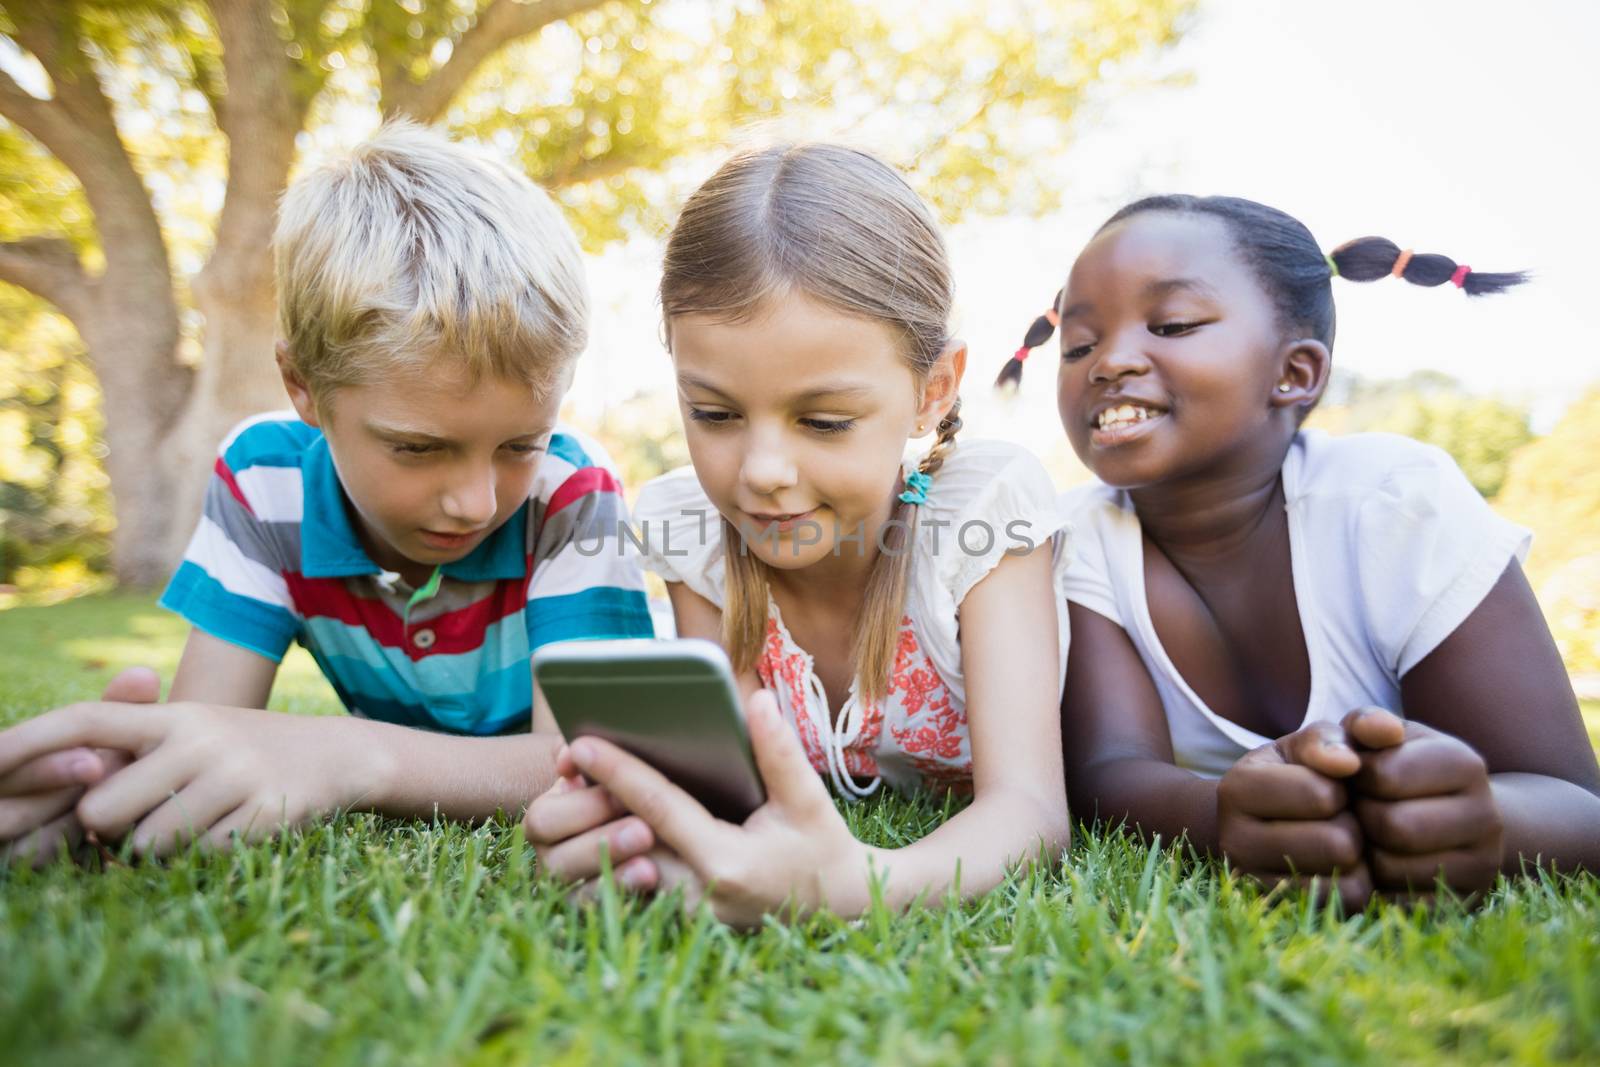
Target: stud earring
x=1284, y=387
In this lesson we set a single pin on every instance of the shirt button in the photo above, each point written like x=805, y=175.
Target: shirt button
x=423, y=639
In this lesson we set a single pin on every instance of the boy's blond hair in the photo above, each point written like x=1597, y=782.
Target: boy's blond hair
x=412, y=248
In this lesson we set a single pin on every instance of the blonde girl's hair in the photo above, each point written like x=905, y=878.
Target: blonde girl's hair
x=412, y=248
x=843, y=228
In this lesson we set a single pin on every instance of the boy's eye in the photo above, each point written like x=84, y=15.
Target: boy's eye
x=714, y=418
x=827, y=426
x=525, y=448
x=1076, y=352
x=1173, y=329
x=406, y=448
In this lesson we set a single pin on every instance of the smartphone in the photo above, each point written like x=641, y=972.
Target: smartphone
x=673, y=703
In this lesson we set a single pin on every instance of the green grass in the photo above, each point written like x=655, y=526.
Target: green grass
x=376, y=941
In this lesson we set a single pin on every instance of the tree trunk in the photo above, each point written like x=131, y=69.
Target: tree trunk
x=237, y=377
x=142, y=481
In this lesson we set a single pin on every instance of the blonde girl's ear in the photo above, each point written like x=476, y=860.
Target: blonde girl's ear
x=942, y=387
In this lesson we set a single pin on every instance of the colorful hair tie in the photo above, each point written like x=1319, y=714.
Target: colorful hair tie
x=1459, y=278
x=1333, y=268
x=1022, y=353
x=917, y=486
x=1401, y=264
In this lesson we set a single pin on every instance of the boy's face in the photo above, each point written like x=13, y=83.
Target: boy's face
x=431, y=464
x=797, y=421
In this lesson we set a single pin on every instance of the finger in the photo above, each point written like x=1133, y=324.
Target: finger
x=20, y=816
x=565, y=811
x=565, y=767
x=1352, y=889
x=1374, y=727
x=1279, y=791
x=114, y=806
x=1463, y=870
x=134, y=685
x=677, y=819
x=183, y=819
x=1424, y=765
x=1313, y=846
x=55, y=840
x=587, y=854
x=239, y=825
x=1429, y=824
x=125, y=726
x=67, y=769
x=786, y=771
x=1323, y=747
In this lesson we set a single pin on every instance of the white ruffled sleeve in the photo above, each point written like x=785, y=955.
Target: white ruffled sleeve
x=681, y=533
x=1429, y=549
x=989, y=498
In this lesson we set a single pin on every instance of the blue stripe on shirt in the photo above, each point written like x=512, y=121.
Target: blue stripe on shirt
x=257, y=625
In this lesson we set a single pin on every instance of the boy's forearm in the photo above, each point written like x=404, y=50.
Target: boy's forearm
x=1151, y=796
x=414, y=773
x=1548, y=821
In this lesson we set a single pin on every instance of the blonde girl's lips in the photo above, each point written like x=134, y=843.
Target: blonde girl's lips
x=781, y=523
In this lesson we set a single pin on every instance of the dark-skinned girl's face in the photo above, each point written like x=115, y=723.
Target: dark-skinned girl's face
x=1172, y=354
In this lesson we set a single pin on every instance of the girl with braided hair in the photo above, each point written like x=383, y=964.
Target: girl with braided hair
x=892, y=621
x=1317, y=656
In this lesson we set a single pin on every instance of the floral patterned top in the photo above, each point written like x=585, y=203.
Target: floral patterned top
x=988, y=497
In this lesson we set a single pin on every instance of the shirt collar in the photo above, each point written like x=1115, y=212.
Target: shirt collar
x=329, y=547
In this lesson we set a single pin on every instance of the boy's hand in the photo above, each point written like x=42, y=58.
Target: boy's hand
x=794, y=851
x=1282, y=817
x=572, y=822
x=1425, y=806
x=201, y=773
x=37, y=820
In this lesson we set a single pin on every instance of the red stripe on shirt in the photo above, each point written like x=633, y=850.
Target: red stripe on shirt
x=233, y=487
x=584, y=481
x=454, y=632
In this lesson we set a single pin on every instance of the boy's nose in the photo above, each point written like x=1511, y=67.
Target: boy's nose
x=470, y=501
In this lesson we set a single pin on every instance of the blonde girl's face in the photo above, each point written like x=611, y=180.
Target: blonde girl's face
x=797, y=421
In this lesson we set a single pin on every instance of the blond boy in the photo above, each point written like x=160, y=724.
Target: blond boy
x=420, y=522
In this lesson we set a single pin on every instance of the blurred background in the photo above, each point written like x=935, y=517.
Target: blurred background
x=143, y=145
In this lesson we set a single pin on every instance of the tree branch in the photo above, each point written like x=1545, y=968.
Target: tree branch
x=48, y=267
x=78, y=127
x=502, y=22
x=588, y=170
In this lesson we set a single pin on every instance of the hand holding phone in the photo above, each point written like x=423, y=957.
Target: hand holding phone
x=672, y=703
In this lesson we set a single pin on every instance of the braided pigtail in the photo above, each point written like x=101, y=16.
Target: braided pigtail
x=1038, y=333
x=876, y=638
x=1367, y=259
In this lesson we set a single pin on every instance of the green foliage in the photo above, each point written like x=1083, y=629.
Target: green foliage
x=1554, y=488
x=55, y=513
x=1479, y=432
x=364, y=940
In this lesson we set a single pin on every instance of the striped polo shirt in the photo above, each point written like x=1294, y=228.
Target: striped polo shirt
x=275, y=559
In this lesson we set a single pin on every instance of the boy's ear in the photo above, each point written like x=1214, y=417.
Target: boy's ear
x=1303, y=368
x=295, y=386
x=943, y=386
